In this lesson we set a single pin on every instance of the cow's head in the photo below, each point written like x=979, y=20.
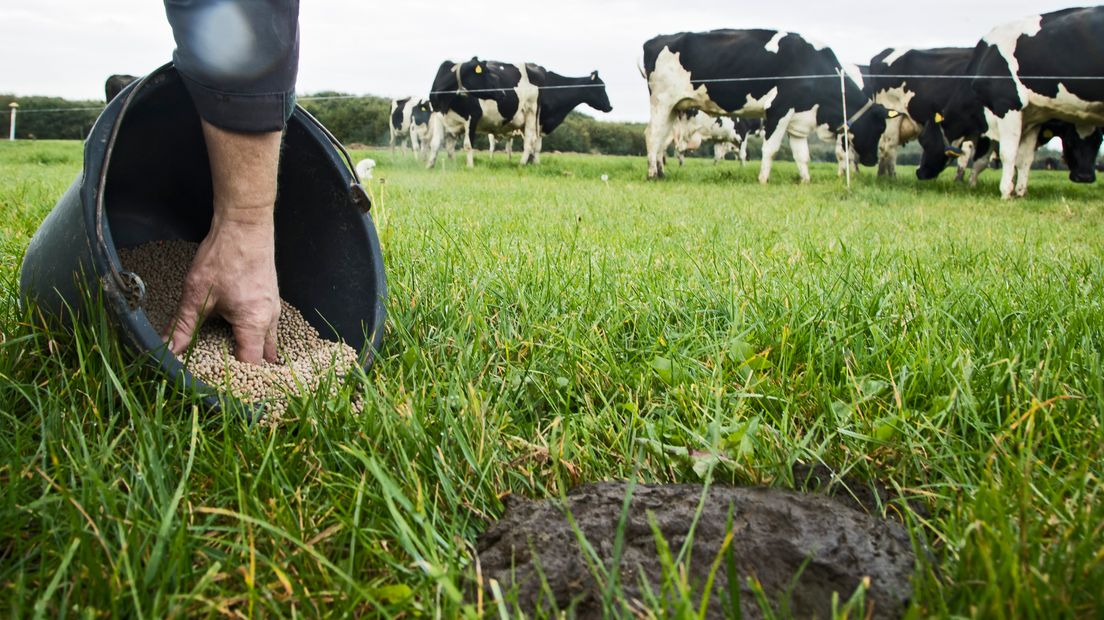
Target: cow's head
x=597, y=97
x=1080, y=153
x=866, y=131
x=421, y=113
x=962, y=119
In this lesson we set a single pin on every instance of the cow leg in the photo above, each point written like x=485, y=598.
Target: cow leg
x=980, y=166
x=529, y=138
x=657, y=136
x=772, y=144
x=537, y=150
x=743, y=152
x=491, y=141
x=720, y=149
x=450, y=146
x=800, y=148
x=437, y=136
x=415, y=144
x=509, y=147
x=392, y=142
x=1010, y=128
x=883, y=150
x=1028, y=139
x=841, y=156
x=887, y=148
x=964, y=160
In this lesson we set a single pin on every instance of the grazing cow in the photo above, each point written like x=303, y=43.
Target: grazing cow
x=1024, y=74
x=757, y=74
x=908, y=83
x=693, y=128
x=401, y=110
x=116, y=83
x=1079, y=152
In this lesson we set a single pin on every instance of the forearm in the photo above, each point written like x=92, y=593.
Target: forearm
x=244, y=167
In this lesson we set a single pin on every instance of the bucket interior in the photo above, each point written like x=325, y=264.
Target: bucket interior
x=158, y=187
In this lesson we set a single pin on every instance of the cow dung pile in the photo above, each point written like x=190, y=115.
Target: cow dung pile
x=304, y=357
x=811, y=546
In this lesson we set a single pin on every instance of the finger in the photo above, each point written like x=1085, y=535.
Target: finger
x=270, y=344
x=250, y=344
x=186, y=322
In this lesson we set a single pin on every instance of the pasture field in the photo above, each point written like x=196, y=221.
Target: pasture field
x=548, y=328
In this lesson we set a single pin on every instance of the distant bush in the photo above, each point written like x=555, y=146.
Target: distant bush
x=52, y=124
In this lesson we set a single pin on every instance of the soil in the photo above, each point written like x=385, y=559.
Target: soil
x=776, y=533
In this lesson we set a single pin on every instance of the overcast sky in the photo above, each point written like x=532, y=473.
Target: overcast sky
x=68, y=47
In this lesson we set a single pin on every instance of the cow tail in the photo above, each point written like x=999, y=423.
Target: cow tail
x=640, y=67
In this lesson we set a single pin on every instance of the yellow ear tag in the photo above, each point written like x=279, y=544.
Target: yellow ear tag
x=938, y=118
x=478, y=69
x=893, y=114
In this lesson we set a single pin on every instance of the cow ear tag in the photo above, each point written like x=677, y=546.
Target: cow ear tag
x=478, y=69
x=938, y=118
x=893, y=114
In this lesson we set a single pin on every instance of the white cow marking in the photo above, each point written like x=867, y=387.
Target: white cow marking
x=772, y=45
x=1004, y=38
x=817, y=44
x=1066, y=105
x=854, y=73
x=896, y=55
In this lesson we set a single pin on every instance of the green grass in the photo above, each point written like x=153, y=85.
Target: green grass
x=547, y=328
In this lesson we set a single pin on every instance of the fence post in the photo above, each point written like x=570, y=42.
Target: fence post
x=846, y=129
x=14, y=106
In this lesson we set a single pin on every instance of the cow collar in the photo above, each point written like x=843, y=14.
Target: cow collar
x=857, y=115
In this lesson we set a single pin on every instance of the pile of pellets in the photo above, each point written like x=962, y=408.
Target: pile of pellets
x=304, y=357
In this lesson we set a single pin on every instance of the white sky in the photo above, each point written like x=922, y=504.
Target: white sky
x=68, y=47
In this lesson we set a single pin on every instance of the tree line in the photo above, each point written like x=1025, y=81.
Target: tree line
x=364, y=120
x=353, y=119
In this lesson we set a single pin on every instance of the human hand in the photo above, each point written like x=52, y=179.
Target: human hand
x=233, y=276
x=234, y=271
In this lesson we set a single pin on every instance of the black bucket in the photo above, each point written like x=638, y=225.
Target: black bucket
x=147, y=178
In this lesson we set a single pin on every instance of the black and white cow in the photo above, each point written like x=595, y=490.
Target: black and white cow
x=399, y=123
x=756, y=74
x=427, y=131
x=460, y=113
x=559, y=95
x=116, y=83
x=914, y=85
x=507, y=98
x=1024, y=74
x=693, y=128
